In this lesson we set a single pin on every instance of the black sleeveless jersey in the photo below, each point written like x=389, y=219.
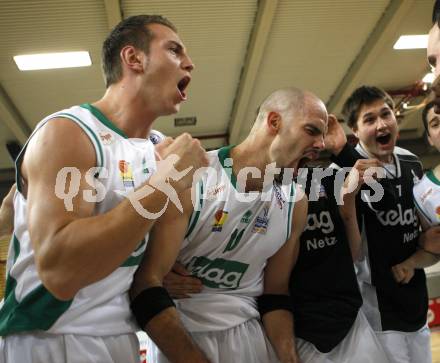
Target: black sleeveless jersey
x=390, y=230
x=323, y=285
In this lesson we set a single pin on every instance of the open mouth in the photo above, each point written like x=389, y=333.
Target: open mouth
x=383, y=139
x=182, y=85
x=310, y=155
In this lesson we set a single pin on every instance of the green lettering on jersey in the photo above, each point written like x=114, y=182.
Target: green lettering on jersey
x=218, y=273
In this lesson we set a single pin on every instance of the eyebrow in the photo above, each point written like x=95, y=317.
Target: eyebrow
x=435, y=118
x=368, y=114
x=177, y=44
x=314, y=128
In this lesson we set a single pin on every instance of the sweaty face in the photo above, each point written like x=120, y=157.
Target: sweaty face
x=302, y=137
x=434, y=129
x=167, y=71
x=376, y=128
x=433, y=50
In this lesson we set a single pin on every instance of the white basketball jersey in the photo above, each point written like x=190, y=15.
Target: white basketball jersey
x=427, y=198
x=101, y=308
x=227, y=245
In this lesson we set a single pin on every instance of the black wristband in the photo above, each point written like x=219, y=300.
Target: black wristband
x=270, y=302
x=149, y=303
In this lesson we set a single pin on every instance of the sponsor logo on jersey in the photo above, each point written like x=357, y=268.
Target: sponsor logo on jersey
x=106, y=137
x=398, y=217
x=278, y=195
x=145, y=169
x=155, y=138
x=218, y=273
x=126, y=174
x=410, y=236
x=262, y=221
x=322, y=221
x=246, y=217
x=214, y=191
x=220, y=218
x=425, y=195
x=437, y=212
x=316, y=244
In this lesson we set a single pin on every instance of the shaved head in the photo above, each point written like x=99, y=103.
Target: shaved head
x=287, y=102
x=284, y=101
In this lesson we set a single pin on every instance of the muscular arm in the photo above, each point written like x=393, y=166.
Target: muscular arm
x=165, y=328
x=67, y=243
x=7, y=214
x=278, y=324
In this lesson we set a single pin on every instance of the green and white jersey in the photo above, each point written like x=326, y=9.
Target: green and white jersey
x=227, y=245
x=101, y=308
x=427, y=198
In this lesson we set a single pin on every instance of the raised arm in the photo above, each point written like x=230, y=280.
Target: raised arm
x=347, y=208
x=275, y=306
x=151, y=304
x=343, y=154
x=66, y=242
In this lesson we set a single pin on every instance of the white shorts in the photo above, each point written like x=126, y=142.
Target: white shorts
x=359, y=346
x=41, y=347
x=245, y=343
x=403, y=347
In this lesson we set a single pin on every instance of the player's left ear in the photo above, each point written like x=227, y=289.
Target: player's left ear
x=274, y=122
x=132, y=58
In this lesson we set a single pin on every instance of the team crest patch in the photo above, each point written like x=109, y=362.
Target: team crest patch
x=262, y=221
x=106, y=137
x=220, y=218
x=126, y=174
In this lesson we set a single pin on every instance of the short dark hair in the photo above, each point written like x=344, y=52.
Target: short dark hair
x=425, y=111
x=131, y=31
x=436, y=13
x=364, y=95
